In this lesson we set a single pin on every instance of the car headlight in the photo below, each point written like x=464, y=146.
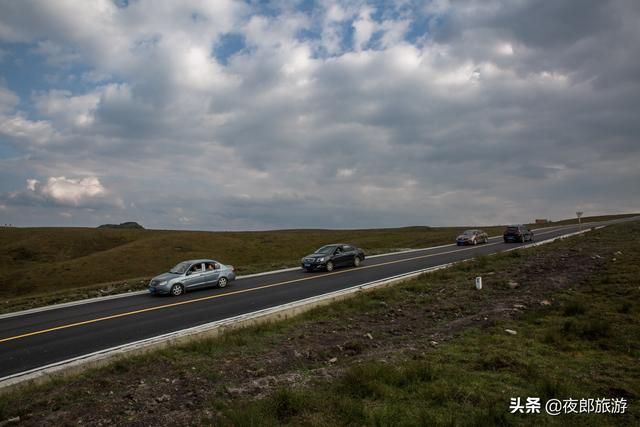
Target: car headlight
x=321, y=259
x=164, y=282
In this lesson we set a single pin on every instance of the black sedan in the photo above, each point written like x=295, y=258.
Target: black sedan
x=330, y=256
x=517, y=233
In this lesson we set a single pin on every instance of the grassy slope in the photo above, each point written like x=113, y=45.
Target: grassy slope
x=36, y=260
x=585, y=344
x=39, y=266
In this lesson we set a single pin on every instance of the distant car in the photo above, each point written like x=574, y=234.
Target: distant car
x=472, y=237
x=192, y=274
x=330, y=256
x=517, y=233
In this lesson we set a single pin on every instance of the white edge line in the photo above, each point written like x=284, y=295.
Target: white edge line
x=265, y=273
x=102, y=355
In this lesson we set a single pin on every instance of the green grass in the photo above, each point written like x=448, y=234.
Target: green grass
x=47, y=265
x=586, y=344
x=40, y=266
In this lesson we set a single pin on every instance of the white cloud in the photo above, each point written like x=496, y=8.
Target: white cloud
x=8, y=99
x=73, y=191
x=31, y=184
x=318, y=101
x=27, y=133
x=85, y=192
x=364, y=28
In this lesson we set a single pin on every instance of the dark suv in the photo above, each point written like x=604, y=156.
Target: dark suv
x=517, y=233
x=330, y=256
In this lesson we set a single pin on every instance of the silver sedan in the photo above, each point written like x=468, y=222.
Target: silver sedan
x=190, y=275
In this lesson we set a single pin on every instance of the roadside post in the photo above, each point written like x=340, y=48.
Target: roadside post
x=579, y=215
x=478, y=282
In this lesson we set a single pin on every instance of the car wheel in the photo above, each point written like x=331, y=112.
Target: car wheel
x=486, y=240
x=356, y=261
x=177, y=290
x=523, y=239
x=475, y=242
x=329, y=266
x=222, y=282
x=531, y=238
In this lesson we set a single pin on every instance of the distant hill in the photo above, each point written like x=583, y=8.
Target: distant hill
x=128, y=225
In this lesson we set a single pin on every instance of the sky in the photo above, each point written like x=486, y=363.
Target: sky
x=245, y=115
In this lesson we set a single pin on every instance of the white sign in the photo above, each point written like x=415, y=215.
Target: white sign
x=478, y=283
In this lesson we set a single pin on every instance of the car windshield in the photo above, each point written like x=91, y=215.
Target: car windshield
x=180, y=268
x=512, y=228
x=326, y=249
x=469, y=232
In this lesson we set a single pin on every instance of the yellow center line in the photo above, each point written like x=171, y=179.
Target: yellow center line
x=241, y=291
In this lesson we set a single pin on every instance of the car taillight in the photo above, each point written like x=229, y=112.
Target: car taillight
x=232, y=267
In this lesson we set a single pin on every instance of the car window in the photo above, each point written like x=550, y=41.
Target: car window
x=326, y=249
x=210, y=266
x=195, y=268
x=347, y=248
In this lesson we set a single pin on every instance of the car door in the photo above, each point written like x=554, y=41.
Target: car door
x=211, y=273
x=339, y=257
x=350, y=254
x=194, y=279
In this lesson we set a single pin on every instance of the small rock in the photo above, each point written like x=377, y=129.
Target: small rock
x=433, y=343
x=296, y=353
x=513, y=284
x=333, y=360
x=545, y=302
x=511, y=331
x=368, y=335
x=10, y=421
x=613, y=259
x=519, y=306
x=618, y=253
x=163, y=398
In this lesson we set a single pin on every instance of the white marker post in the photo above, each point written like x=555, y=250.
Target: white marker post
x=579, y=214
x=478, y=283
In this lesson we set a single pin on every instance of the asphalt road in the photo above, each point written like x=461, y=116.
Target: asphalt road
x=33, y=340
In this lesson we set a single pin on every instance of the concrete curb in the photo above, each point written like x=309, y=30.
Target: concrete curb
x=214, y=329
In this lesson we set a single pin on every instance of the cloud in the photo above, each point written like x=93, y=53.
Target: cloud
x=86, y=192
x=347, y=114
x=27, y=133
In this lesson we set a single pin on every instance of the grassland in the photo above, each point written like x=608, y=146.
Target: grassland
x=40, y=266
x=433, y=351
